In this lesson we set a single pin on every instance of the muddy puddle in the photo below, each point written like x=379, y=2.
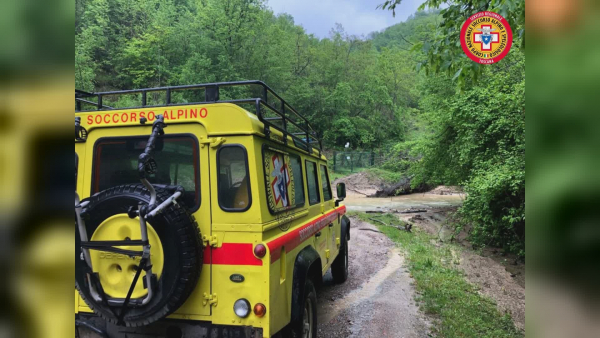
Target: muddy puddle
x=356, y=202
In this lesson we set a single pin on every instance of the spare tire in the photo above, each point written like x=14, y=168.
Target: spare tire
x=176, y=254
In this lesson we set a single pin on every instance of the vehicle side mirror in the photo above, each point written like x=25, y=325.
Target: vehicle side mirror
x=341, y=191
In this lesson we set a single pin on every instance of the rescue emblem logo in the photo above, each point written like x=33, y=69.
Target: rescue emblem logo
x=486, y=37
x=281, y=192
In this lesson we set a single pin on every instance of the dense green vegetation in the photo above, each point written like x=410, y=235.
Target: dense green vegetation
x=475, y=125
x=349, y=90
x=408, y=89
x=443, y=290
x=443, y=55
x=479, y=142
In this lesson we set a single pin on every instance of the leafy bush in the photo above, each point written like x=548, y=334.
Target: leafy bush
x=386, y=176
x=496, y=207
x=478, y=140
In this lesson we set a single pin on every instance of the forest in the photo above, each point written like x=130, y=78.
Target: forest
x=408, y=90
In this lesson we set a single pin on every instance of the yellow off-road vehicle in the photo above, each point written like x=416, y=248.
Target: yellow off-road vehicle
x=202, y=219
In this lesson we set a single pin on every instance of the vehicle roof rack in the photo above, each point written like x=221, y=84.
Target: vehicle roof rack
x=285, y=119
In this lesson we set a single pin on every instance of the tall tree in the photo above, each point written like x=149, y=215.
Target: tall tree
x=444, y=53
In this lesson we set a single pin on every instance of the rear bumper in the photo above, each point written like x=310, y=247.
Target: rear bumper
x=90, y=326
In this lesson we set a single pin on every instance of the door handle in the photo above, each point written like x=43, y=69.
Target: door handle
x=318, y=234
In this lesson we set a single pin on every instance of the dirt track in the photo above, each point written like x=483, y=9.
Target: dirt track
x=377, y=300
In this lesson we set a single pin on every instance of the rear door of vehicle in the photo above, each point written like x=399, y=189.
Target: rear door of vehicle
x=112, y=159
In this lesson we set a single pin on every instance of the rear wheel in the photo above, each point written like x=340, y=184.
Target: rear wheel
x=307, y=327
x=339, y=267
x=176, y=254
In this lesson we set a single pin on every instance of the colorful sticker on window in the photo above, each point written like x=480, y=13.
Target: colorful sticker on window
x=280, y=181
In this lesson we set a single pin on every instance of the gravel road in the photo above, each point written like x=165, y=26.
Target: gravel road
x=377, y=300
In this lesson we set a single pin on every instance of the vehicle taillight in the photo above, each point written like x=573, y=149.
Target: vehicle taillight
x=260, y=251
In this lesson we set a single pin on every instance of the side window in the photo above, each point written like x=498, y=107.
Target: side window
x=325, y=183
x=298, y=182
x=283, y=177
x=312, y=182
x=115, y=163
x=233, y=180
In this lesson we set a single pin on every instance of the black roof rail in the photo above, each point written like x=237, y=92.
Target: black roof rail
x=281, y=122
x=81, y=93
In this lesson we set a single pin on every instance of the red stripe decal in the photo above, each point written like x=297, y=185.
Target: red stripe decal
x=242, y=253
x=294, y=238
x=231, y=254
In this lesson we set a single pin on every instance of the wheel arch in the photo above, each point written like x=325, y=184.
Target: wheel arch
x=306, y=266
x=346, y=226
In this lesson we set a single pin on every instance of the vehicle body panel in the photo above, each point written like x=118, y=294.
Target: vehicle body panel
x=230, y=237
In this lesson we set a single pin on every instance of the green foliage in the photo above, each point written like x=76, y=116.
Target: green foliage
x=368, y=92
x=351, y=91
x=342, y=172
x=443, y=290
x=477, y=140
x=387, y=176
x=443, y=51
x=417, y=28
x=474, y=137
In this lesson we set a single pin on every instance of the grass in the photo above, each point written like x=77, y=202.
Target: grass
x=443, y=291
x=340, y=173
x=386, y=176
x=389, y=177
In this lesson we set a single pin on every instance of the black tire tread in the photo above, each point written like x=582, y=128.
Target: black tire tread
x=296, y=328
x=189, y=237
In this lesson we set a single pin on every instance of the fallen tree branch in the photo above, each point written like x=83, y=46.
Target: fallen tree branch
x=407, y=226
x=409, y=211
x=365, y=229
x=376, y=220
x=374, y=212
x=360, y=192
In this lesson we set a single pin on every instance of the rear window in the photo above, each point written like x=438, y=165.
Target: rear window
x=116, y=159
x=233, y=180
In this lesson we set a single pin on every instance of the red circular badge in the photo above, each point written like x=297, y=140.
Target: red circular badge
x=486, y=37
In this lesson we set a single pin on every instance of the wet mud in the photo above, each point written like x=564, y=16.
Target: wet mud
x=377, y=300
